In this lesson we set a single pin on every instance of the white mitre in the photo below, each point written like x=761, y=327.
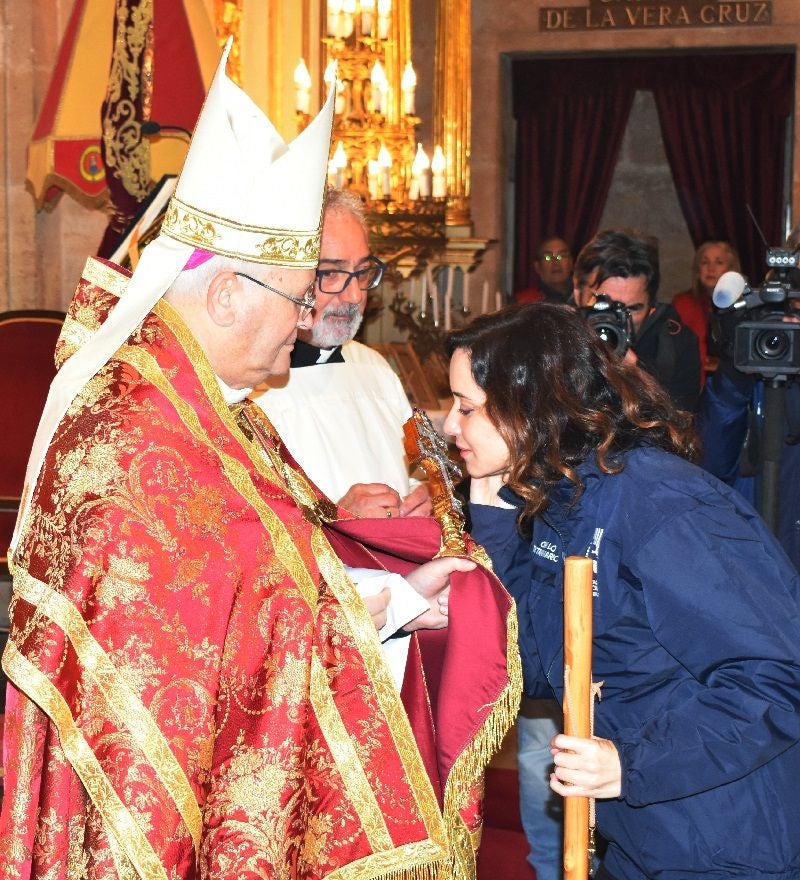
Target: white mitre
x=243, y=192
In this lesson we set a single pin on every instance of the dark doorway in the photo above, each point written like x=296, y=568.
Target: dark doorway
x=723, y=119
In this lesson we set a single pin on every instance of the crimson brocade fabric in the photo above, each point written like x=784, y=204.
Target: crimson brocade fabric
x=197, y=690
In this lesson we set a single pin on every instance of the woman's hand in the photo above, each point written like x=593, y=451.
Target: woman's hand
x=432, y=582
x=585, y=767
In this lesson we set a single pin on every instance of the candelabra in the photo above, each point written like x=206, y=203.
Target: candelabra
x=417, y=209
x=375, y=151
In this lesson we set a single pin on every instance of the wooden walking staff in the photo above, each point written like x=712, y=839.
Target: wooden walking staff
x=577, y=703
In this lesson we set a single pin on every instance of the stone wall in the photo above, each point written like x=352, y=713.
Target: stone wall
x=41, y=254
x=643, y=196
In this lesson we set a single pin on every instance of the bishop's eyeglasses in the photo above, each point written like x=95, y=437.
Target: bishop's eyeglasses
x=306, y=303
x=368, y=277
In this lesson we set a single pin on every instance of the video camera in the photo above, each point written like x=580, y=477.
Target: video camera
x=611, y=321
x=767, y=345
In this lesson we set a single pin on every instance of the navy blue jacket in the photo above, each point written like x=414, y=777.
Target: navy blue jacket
x=697, y=640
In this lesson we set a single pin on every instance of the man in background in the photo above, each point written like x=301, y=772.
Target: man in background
x=341, y=409
x=624, y=266
x=553, y=266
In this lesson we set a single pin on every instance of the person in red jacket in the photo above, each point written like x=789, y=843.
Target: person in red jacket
x=711, y=260
x=553, y=266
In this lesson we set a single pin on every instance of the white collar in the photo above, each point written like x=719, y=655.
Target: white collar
x=233, y=395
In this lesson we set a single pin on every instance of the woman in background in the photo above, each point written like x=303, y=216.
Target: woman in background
x=696, y=612
x=711, y=260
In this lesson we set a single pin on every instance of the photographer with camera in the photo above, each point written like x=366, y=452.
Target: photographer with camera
x=749, y=417
x=620, y=266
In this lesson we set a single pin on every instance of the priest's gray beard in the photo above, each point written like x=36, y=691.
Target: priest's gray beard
x=336, y=324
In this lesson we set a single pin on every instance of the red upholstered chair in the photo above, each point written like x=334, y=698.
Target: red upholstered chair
x=27, y=344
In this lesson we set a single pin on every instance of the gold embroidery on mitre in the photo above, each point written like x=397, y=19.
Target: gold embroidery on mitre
x=255, y=244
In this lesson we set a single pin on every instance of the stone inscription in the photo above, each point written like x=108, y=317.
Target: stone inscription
x=639, y=14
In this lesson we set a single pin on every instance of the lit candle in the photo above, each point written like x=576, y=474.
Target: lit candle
x=498, y=300
x=408, y=85
x=385, y=165
x=302, y=85
x=420, y=172
x=348, y=17
x=340, y=164
x=434, y=296
x=373, y=171
x=448, y=300
x=379, y=85
x=367, y=7
x=334, y=18
x=384, y=14
x=438, y=166
x=330, y=78
x=485, y=298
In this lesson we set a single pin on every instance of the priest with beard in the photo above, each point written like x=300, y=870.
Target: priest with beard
x=341, y=409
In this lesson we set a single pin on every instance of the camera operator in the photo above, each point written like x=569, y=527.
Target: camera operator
x=623, y=266
x=731, y=425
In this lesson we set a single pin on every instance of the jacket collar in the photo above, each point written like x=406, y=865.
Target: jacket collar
x=560, y=508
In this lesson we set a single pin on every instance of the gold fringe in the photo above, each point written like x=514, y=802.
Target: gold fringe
x=471, y=763
x=428, y=871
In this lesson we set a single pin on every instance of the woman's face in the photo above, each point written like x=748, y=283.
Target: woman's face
x=483, y=449
x=714, y=262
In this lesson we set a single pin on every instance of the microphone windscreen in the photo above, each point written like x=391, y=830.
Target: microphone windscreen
x=728, y=290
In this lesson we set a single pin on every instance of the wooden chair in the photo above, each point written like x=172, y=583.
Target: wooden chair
x=27, y=344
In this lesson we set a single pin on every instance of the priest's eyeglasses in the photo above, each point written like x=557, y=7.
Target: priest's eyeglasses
x=333, y=281
x=306, y=303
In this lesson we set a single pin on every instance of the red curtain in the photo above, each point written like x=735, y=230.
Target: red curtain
x=723, y=120
x=569, y=132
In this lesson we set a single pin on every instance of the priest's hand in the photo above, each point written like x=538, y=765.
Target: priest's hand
x=432, y=582
x=371, y=500
x=417, y=502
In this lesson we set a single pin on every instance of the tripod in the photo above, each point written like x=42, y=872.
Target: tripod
x=772, y=443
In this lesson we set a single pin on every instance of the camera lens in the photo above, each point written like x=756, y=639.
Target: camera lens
x=609, y=335
x=772, y=344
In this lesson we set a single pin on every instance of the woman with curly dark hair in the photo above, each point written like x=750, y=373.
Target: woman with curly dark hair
x=696, y=755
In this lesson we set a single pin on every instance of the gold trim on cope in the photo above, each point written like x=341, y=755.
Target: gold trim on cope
x=120, y=821
x=128, y=709
x=277, y=247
